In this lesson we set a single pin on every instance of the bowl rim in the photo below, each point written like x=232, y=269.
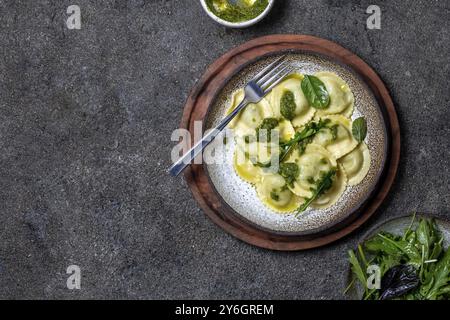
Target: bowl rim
x=242, y=24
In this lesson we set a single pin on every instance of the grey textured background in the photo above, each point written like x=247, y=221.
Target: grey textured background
x=85, y=123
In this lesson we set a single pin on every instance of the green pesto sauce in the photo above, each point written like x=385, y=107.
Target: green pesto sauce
x=237, y=11
x=287, y=105
x=289, y=171
x=274, y=195
x=267, y=125
x=334, y=132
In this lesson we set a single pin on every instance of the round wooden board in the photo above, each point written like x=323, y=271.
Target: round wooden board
x=204, y=93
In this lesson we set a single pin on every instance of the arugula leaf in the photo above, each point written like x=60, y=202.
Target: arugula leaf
x=315, y=92
x=359, y=129
x=303, y=138
x=425, y=236
x=439, y=280
x=322, y=185
x=407, y=248
x=357, y=269
x=379, y=245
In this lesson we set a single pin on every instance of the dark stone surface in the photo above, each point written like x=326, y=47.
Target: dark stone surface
x=85, y=123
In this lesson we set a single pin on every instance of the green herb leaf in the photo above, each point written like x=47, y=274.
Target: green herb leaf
x=359, y=129
x=315, y=92
x=398, y=281
x=356, y=268
x=303, y=138
x=322, y=185
x=439, y=279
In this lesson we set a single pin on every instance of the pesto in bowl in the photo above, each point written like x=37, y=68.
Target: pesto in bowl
x=238, y=11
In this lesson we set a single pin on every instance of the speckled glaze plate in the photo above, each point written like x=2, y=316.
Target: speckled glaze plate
x=233, y=203
x=241, y=196
x=396, y=226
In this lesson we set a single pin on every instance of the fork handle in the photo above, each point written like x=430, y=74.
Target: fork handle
x=187, y=158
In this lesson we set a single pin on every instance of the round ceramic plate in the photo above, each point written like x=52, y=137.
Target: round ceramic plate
x=233, y=203
x=242, y=197
x=396, y=226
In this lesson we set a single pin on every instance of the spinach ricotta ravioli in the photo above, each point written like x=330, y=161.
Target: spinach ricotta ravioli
x=300, y=145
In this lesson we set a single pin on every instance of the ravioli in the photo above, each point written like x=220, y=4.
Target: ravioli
x=284, y=112
x=273, y=192
x=312, y=163
x=286, y=130
x=339, y=139
x=341, y=97
x=302, y=112
x=259, y=153
x=245, y=168
x=332, y=195
x=356, y=164
x=348, y=111
x=250, y=117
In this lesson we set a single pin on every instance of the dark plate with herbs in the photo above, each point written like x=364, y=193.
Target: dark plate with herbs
x=409, y=254
x=233, y=204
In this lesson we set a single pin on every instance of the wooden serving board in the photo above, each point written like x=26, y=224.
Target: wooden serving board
x=203, y=95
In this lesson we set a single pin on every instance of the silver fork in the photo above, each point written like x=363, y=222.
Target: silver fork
x=255, y=90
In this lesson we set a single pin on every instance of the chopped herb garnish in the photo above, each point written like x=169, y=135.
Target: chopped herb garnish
x=287, y=105
x=334, y=131
x=274, y=195
x=267, y=125
x=289, y=171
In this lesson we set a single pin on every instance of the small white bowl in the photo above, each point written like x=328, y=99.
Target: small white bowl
x=242, y=24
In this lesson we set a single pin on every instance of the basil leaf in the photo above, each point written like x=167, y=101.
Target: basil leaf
x=359, y=129
x=315, y=92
